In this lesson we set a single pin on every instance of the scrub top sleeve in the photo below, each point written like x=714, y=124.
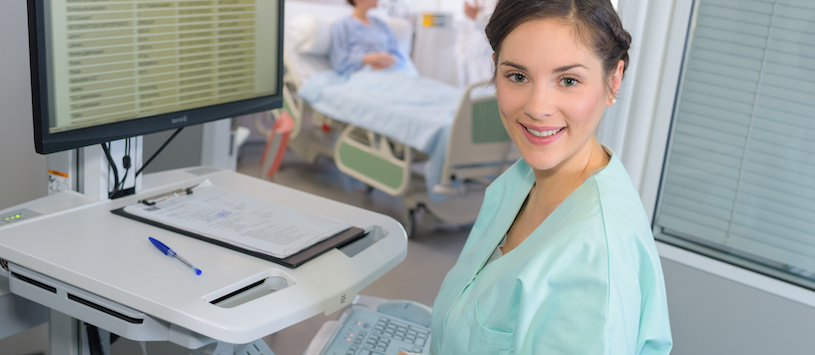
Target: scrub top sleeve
x=654, y=328
x=343, y=55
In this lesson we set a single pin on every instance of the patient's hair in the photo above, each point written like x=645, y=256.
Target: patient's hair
x=351, y=2
x=595, y=22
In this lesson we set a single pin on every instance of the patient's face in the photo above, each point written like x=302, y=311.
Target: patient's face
x=551, y=93
x=367, y=4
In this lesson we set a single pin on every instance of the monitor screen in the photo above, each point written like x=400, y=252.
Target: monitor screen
x=104, y=70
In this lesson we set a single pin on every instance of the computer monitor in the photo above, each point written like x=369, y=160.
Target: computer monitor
x=107, y=70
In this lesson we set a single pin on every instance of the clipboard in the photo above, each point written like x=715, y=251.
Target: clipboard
x=340, y=238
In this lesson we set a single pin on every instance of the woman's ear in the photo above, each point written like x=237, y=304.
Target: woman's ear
x=614, y=83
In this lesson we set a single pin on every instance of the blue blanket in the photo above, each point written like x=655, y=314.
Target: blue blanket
x=412, y=110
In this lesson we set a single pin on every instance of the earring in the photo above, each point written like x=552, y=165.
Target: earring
x=613, y=101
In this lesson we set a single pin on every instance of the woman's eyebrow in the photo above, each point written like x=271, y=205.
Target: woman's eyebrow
x=514, y=65
x=568, y=67
x=556, y=70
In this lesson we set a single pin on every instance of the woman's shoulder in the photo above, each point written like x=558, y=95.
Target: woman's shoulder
x=344, y=22
x=620, y=211
x=616, y=192
x=377, y=20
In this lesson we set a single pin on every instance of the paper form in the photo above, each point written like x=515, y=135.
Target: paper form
x=241, y=220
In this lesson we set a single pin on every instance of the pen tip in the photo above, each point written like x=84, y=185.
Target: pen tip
x=198, y=271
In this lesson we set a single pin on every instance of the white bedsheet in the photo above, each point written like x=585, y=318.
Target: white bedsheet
x=412, y=110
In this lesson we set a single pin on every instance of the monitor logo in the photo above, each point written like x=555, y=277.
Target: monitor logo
x=182, y=119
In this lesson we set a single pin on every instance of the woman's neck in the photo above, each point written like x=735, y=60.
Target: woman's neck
x=361, y=14
x=558, y=183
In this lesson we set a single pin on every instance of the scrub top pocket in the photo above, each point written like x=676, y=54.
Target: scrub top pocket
x=484, y=340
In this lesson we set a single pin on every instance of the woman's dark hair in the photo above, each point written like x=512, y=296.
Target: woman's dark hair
x=595, y=22
x=351, y=2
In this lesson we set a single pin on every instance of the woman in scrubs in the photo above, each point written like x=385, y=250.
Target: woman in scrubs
x=360, y=40
x=561, y=259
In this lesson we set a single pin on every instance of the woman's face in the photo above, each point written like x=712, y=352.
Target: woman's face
x=551, y=93
x=366, y=4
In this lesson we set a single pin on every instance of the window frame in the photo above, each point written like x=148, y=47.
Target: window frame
x=679, y=25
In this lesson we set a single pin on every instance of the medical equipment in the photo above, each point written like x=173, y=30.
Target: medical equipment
x=368, y=332
x=239, y=298
x=462, y=145
x=95, y=80
x=373, y=325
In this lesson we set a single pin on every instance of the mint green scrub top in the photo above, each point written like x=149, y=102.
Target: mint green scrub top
x=588, y=280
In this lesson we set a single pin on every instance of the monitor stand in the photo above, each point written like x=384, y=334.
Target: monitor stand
x=86, y=170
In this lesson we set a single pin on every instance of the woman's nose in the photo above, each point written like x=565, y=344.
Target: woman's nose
x=540, y=103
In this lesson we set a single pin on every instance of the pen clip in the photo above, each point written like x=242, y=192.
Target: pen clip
x=150, y=201
x=161, y=246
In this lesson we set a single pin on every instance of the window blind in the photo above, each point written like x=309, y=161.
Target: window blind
x=739, y=173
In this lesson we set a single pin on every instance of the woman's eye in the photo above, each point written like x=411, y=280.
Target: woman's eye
x=569, y=81
x=518, y=78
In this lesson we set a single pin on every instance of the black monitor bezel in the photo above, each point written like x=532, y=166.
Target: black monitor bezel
x=46, y=142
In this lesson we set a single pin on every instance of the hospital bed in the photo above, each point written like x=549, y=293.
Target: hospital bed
x=439, y=155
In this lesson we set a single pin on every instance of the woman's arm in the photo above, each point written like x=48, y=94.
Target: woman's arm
x=400, y=59
x=379, y=60
x=343, y=55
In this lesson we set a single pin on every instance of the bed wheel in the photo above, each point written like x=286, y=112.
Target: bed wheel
x=411, y=219
x=410, y=226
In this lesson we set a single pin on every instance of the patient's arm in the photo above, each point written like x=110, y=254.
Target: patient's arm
x=380, y=60
x=354, y=46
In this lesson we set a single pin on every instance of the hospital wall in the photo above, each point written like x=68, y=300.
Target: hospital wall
x=22, y=170
x=451, y=6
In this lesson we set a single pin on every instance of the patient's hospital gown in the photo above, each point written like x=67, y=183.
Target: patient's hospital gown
x=588, y=280
x=351, y=40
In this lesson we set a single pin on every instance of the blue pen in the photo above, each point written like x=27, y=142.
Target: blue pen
x=169, y=252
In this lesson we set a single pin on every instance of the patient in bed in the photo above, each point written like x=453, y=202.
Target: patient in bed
x=360, y=40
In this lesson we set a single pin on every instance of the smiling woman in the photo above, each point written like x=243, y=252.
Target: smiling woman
x=552, y=96
x=562, y=258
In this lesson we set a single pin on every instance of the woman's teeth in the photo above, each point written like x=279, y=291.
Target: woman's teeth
x=544, y=133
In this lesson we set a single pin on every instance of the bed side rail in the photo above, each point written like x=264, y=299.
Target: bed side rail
x=374, y=159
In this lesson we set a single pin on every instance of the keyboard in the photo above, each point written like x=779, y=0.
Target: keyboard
x=367, y=332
